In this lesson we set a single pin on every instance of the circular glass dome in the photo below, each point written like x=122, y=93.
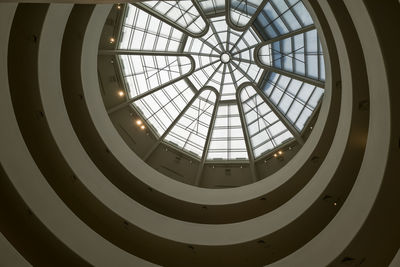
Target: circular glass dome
x=222, y=86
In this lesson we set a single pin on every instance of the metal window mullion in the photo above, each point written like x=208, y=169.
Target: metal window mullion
x=294, y=76
x=213, y=74
x=272, y=140
x=228, y=38
x=238, y=40
x=281, y=117
x=217, y=36
x=275, y=85
x=259, y=119
x=285, y=36
x=207, y=142
x=295, y=98
x=151, y=91
x=279, y=17
x=271, y=23
x=183, y=42
x=244, y=128
x=308, y=99
x=201, y=54
x=201, y=12
x=188, y=105
x=291, y=7
x=264, y=77
x=292, y=44
x=244, y=49
x=261, y=129
x=210, y=45
x=250, y=152
x=255, y=15
x=305, y=56
x=163, y=19
x=284, y=92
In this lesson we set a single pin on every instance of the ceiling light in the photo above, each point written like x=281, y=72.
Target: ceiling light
x=112, y=40
x=139, y=122
x=142, y=127
x=121, y=93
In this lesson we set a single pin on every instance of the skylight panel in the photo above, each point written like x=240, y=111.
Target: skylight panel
x=161, y=108
x=182, y=13
x=212, y=6
x=227, y=141
x=190, y=132
x=264, y=128
x=241, y=11
x=295, y=99
x=143, y=73
x=141, y=31
x=280, y=17
x=300, y=54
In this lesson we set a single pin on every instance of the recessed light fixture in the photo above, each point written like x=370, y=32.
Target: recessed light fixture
x=121, y=93
x=142, y=127
x=112, y=40
x=119, y=6
x=139, y=122
x=280, y=152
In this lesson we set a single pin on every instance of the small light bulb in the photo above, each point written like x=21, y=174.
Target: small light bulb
x=142, y=127
x=334, y=203
x=139, y=122
x=112, y=40
x=121, y=93
x=275, y=155
x=119, y=6
x=280, y=152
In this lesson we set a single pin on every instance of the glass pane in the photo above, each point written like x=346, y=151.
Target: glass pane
x=190, y=131
x=182, y=12
x=263, y=125
x=293, y=98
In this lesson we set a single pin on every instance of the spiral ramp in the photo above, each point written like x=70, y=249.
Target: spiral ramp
x=74, y=194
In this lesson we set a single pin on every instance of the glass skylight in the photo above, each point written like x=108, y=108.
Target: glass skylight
x=182, y=13
x=301, y=54
x=227, y=141
x=241, y=11
x=264, y=128
x=222, y=85
x=190, y=132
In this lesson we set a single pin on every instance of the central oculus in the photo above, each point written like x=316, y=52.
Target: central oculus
x=225, y=57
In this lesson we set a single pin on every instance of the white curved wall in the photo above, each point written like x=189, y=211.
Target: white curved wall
x=93, y=248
